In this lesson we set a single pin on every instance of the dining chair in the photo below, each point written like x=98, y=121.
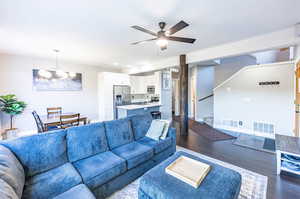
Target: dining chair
x=39, y=123
x=54, y=111
x=41, y=126
x=69, y=120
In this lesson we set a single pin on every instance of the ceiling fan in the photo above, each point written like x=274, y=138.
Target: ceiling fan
x=163, y=36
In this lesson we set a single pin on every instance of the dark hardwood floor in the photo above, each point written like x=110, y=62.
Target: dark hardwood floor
x=285, y=186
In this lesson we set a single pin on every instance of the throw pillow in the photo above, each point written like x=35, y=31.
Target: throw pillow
x=156, y=129
x=166, y=129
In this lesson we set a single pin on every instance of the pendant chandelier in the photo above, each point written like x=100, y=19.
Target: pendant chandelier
x=58, y=72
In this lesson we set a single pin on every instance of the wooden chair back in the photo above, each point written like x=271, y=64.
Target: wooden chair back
x=54, y=111
x=70, y=120
x=39, y=123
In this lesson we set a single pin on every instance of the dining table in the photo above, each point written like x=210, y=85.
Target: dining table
x=54, y=120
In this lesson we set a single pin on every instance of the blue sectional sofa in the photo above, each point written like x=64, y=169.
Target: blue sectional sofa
x=85, y=162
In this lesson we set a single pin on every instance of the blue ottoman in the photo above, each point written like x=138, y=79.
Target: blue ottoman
x=220, y=183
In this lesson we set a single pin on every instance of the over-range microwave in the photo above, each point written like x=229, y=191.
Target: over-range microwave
x=151, y=89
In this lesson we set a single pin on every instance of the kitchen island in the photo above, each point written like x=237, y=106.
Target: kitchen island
x=136, y=109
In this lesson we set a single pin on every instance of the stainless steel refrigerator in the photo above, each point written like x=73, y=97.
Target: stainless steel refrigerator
x=121, y=97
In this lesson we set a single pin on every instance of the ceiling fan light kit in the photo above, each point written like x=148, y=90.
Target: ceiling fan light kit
x=162, y=42
x=163, y=36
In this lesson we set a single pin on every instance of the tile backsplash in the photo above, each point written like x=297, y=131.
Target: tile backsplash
x=139, y=98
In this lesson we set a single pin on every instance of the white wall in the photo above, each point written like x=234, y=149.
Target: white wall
x=242, y=99
x=204, y=84
x=106, y=81
x=16, y=78
x=229, y=66
x=207, y=77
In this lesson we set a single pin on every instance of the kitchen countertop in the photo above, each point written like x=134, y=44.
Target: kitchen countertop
x=138, y=106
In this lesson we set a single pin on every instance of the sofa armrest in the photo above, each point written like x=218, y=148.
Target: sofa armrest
x=11, y=171
x=172, y=133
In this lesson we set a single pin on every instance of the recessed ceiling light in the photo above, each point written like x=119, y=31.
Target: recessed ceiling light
x=116, y=63
x=129, y=66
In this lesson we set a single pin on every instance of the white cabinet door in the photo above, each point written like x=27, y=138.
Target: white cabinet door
x=133, y=84
x=143, y=85
x=137, y=84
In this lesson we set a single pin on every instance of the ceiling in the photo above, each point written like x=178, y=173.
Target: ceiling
x=98, y=32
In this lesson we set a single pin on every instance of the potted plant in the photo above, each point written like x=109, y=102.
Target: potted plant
x=11, y=106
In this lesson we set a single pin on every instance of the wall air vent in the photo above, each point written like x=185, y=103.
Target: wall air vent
x=263, y=127
x=268, y=83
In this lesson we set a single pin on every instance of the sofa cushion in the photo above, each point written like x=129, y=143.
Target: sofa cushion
x=163, y=154
x=134, y=153
x=77, y=192
x=40, y=152
x=51, y=183
x=118, y=132
x=105, y=190
x=158, y=146
x=11, y=170
x=100, y=168
x=6, y=191
x=140, y=125
x=91, y=139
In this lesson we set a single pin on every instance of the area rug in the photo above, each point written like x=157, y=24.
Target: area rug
x=256, y=142
x=206, y=131
x=254, y=185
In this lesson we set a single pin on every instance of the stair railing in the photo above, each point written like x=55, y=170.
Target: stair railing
x=204, y=98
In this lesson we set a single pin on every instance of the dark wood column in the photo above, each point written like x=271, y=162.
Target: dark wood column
x=184, y=121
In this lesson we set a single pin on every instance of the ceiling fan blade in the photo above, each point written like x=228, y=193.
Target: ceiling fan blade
x=181, y=39
x=144, y=30
x=140, y=42
x=179, y=26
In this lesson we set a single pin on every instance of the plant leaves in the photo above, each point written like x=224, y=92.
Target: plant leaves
x=10, y=105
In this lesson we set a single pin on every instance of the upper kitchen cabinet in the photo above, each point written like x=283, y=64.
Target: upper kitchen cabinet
x=140, y=83
x=136, y=84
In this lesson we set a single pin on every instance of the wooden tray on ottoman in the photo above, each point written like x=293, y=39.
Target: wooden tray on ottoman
x=188, y=170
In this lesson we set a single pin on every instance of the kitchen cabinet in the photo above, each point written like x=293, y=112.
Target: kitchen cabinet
x=139, y=84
